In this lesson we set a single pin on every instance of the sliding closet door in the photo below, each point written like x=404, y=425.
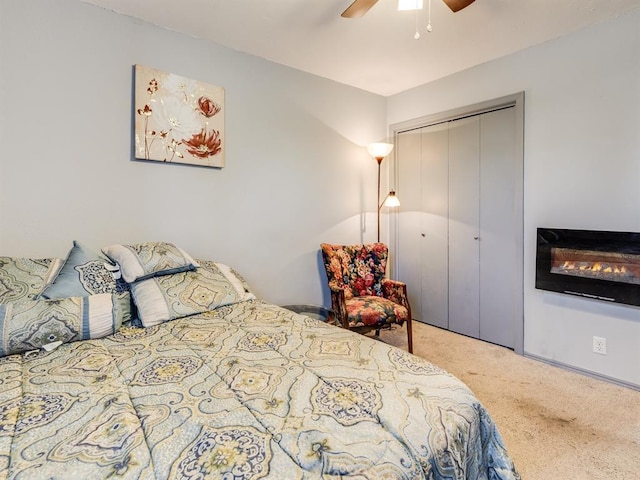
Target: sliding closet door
x=434, y=235
x=460, y=223
x=423, y=181
x=408, y=256
x=464, y=229
x=501, y=228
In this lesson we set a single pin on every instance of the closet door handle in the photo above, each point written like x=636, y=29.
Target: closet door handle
x=476, y=237
x=423, y=234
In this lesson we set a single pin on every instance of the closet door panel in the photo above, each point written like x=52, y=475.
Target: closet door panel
x=500, y=223
x=464, y=211
x=408, y=149
x=434, y=222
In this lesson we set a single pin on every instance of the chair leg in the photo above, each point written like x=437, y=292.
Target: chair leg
x=409, y=335
x=377, y=332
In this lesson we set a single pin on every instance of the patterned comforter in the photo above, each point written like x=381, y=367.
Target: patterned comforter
x=245, y=391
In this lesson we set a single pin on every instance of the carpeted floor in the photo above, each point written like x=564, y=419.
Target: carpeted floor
x=556, y=424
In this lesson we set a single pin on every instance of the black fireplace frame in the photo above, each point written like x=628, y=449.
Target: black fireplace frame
x=596, y=240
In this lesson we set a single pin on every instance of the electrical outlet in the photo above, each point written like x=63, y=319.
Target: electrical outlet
x=600, y=345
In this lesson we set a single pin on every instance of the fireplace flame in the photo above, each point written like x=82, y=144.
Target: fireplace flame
x=597, y=267
x=609, y=266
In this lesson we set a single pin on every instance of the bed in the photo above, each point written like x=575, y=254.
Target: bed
x=199, y=379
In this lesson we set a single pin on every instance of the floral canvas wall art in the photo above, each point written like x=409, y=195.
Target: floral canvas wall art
x=178, y=120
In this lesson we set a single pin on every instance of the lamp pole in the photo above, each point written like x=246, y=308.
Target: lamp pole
x=379, y=160
x=379, y=151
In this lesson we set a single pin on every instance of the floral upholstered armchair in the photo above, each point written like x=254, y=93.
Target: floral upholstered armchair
x=361, y=297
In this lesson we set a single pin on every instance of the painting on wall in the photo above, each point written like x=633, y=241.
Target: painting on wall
x=178, y=120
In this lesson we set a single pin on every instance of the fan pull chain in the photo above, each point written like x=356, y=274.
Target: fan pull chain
x=429, y=27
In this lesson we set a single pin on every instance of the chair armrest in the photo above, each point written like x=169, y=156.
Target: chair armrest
x=396, y=292
x=339, y=306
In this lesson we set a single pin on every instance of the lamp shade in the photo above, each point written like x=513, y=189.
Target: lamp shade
x=391, y=200
x=379, y=150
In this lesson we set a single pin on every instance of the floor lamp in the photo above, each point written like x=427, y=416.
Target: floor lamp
x=379, y=151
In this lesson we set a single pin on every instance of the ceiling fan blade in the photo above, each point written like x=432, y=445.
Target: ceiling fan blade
x=456, y=5
x=358, y=8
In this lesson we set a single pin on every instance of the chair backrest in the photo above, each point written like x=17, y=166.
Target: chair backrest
x=359, y=269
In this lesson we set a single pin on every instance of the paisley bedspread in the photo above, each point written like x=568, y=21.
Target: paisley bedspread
x=245, y=391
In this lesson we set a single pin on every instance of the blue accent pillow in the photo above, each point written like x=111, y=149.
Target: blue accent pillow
x=88, y=273
x=84, y=273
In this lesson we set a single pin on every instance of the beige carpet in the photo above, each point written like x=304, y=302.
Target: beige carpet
x=556, y=424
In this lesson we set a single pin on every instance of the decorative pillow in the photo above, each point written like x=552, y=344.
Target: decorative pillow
x=239, y=283
x=87, y=273
x=168, y=297
x=32, y=324
x=84, y=273
x=25, y=278
x=151, y=259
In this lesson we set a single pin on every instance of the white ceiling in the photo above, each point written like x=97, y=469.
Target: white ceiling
x=377, y=52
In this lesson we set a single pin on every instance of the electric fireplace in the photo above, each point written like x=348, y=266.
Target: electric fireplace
x=589, y=263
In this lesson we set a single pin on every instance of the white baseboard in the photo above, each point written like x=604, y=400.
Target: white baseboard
x=588, y=373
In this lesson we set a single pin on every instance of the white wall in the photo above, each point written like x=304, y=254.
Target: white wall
x=582, y=170
x=296, y=171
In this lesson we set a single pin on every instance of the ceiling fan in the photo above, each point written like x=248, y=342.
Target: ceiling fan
x=359, y=7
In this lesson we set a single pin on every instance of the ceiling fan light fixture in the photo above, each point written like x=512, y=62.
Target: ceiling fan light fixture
x=410, y=5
